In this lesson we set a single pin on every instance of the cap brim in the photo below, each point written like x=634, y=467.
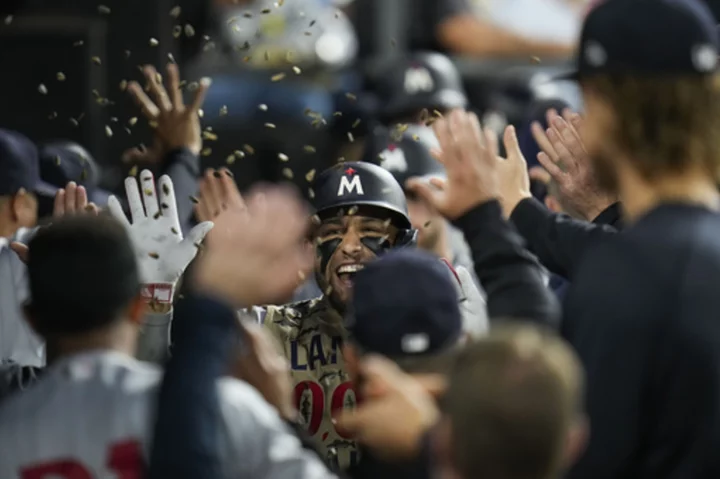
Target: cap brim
x=45, y=189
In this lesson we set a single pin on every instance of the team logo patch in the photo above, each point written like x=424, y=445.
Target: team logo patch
x=350, y=183
x=393, y=159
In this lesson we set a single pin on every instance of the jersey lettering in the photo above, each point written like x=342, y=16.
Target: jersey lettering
x=348, y=186
x=418, y=80
x=316, y=356
x=124, y=460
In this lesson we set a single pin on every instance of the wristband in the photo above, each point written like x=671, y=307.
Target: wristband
x=160, y=293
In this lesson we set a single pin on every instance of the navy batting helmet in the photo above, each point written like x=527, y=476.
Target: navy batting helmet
x=363, y=184
x=422, y=80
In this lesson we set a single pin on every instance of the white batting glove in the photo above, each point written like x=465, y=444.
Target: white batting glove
x=161, y=251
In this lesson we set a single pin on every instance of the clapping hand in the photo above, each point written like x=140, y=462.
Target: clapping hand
x=475, y=172
x=176, y=125
x=564, y=157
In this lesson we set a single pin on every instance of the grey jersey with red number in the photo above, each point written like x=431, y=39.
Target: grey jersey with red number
x=91, y=416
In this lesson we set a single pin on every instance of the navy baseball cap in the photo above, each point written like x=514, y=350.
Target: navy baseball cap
x=19, y=166
x=63, y=161
x=647, y=37
x=405, y=305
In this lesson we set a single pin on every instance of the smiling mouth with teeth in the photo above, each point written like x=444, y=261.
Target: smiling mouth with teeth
x=346, y=273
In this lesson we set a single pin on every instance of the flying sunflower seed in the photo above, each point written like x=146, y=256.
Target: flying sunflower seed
x=311, y=193
x=96, y=60
x=315, y=219
x=194, y=200
x=535, y=59
x=287, y=173
x=351, y=96
x=310, y=175
x=148, y=191
x=239, y=154
x=74, y=122
x=78, y=43
x=57, y=160
x=177, y=31
x=265, y=11
x=127, y=54
x=297, y=70
x=123, y=85
x=154, y=255
x=249, y=149
x=52, y=115
x=386, y=223
x=230, y=159
x=153, y=42
x=171, y=58
x=352, y=210
x=263, y=107
x=337, y=113
x=174, y=230
x=42, y=89
x=427, y=224
x=351, y=138
x=301, y=275
x=132, y=121
x=328, y=290
x=437, y=113
x=207, y=135
x=356, y=123
x=309, y=149
x=108, y=131
x=166, y=190
x=270, y=125
x=199, y=246
x=104, y=10
x=164, y=205
x=247, y=15
x=133, y=171
x=8, y=20
x=153, y=124
x=61, y=76
x=206, y=152
x=201, y=113
x=283, y=157
x=189, y=30
x=157, y=215
x=175, y=11
x=223, y=110
x=277, y=77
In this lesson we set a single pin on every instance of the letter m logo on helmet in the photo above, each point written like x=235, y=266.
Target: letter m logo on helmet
x=418, y=79
x=348, y=186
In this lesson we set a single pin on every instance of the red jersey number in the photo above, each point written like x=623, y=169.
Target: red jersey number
x=317, y=411
x=124, y=460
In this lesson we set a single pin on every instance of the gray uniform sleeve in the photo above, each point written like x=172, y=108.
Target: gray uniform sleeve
x=154, y=341
x=257, y=443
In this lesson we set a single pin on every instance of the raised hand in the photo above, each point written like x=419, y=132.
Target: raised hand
x=257, y=254
x=177, y=124
x=73, y=200
x=567, y=162
x=475, y=172
x=218, y=192
x=162, y=252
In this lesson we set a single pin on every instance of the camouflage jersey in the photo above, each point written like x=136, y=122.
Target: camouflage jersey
x=311, y=334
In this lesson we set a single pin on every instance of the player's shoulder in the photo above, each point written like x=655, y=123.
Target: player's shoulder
x=292, y=314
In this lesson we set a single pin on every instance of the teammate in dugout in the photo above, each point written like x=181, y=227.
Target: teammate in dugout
x=360, y=213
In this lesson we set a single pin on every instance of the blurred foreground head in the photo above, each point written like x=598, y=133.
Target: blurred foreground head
x=84, y=284
x=513, y=407
x=405, y=307
x=647, y=69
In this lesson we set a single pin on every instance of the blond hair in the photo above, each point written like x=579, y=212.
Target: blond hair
x=512, y=399
x=665, y=124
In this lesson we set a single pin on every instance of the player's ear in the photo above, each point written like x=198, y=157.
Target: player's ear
x=137, y=310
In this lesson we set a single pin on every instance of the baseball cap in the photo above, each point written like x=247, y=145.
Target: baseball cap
x=405, y=305
x=653, y=37
x=19, y=166
x=64, y=161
